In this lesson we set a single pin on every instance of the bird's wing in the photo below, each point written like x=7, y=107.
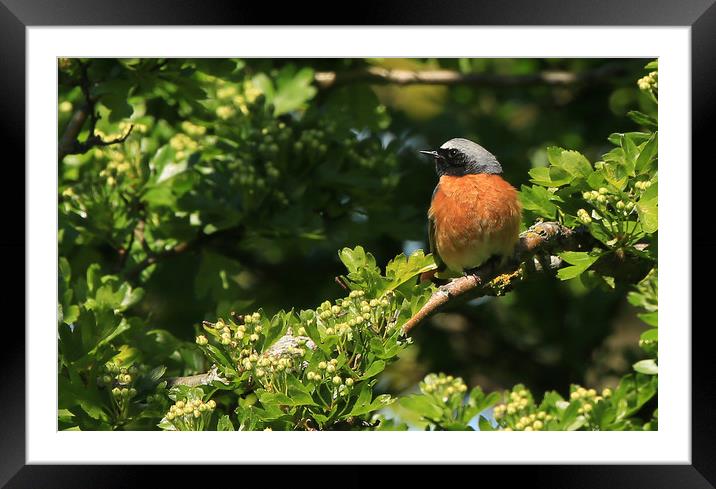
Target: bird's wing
x=431, y=240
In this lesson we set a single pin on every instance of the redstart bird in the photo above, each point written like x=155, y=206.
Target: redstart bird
x=474, y=214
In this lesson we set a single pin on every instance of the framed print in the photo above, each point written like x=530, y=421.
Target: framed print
x=447, y=232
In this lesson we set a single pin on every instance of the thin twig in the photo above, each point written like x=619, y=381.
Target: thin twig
x=342, y=284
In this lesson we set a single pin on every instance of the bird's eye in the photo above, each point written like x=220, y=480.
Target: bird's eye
x=453, y=152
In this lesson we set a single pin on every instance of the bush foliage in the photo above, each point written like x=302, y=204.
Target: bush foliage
x=184, y=246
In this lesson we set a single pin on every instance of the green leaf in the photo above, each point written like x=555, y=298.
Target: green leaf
x=171, y=169
x=65, y=271
x=402, y=269
x=422, y=405
x=130, y=296
x=580, y=260
x=595, y=180
x=650, y=335
x=299, y=393
x=572, y=162
x=224, y=424
x=293, y=89
x=70, y=314
x=93, y=277
x=488, y=401
x=356, y=259
x=648, y=155
x=485, y=424
x=109, y=336
x=164, y=166
x=569, y=415
x=650, y=318
x=631, y=153
x=642, y=119
x=364, y=405
x=265, y=85
x=537, y=199
x=113, y=94
x=559, y=176
x=616, y=172
x=218, y=356
x=269, y=399
x=540, y=176
x=363, y=272
x=577, y=423
x=647, y=367
x=374, y=369
x=648, y=210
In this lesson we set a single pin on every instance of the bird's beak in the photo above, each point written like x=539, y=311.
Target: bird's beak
x=434, y=154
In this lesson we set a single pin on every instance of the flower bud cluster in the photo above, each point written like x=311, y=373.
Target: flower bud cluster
x=271, y=150
x=225, y=112
x=519, y=403
x=344, y=322
x=583, y=216
x=233, y=96
x=642, y=185
x=243, y=344
x=521, y=414
x=119, y=379
x=355, y=312
x=182, y=144
x=443, y=387
x=117, y=165
x=609, y=206
x=649, y=82
x=190, y=414
x=193, y=130
x=535, y=421
x=330, y=373
x=119, y=382
x=587, y=398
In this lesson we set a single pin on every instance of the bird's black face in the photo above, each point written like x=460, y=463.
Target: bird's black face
x=459, y=157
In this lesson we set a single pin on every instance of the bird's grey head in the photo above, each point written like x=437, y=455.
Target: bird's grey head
x=461, y=156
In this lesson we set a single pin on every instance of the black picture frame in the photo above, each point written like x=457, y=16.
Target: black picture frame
x=17, y=15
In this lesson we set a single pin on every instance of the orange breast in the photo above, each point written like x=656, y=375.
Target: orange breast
x=475, y=217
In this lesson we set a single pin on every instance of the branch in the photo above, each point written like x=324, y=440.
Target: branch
x=543, y=238
x=198, y=379
x=281, y=347
x=69, y=144
x=68, y=141
x=383, y=76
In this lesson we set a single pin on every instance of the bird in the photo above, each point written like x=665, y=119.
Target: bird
x=474, y=213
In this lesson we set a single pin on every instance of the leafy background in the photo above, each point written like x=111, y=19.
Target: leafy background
x=240, y=180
